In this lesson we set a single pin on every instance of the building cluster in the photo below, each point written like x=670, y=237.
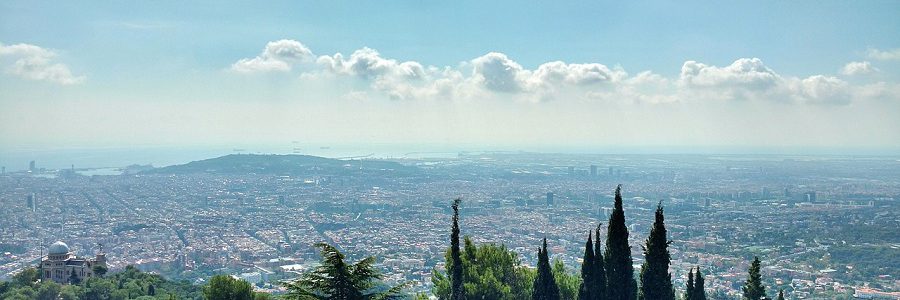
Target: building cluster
x=720, y=211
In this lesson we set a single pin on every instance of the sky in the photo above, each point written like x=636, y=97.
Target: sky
x=511, y=75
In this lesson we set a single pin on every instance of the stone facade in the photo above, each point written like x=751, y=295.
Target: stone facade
x=60, y=264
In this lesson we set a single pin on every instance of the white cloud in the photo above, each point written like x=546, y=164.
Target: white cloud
x=496, y=72
x=893, y=54
x=277, y=56
x=579, y=74
x=36, y=63
x=858, y=68
x=746, y=73
x=368, y=63
x=497, y=76
x=820, y=89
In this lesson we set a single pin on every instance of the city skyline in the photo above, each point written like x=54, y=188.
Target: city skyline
x=786, y=77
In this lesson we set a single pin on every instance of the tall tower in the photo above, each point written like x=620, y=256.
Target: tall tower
x=593, y=171
x=31, y=166
x=549, y=198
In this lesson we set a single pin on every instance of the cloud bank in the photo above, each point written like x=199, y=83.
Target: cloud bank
x=495, y=75
x=35, y=63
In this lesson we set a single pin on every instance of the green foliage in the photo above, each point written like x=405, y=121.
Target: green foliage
x=225, y=287
x=129, y=284
x=587, y=290
x=99, y=270
x=335, y=279
x=568, y=282
x=619, y=271
x=780, y=295
x=689, y=288
x=656, y=282
x=455, y=262
x=262, y=296
x=73, y=278
x=599, y=267
x=699, y=292
x=26, y=277
x=753, y=288
x=545, y=287
x=490, y=272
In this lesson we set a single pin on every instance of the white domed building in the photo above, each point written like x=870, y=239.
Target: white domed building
x=61, y=263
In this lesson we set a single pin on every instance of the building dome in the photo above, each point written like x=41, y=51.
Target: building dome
x=59, y=248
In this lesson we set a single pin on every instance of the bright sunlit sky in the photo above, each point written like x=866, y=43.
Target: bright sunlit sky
x=504, y=74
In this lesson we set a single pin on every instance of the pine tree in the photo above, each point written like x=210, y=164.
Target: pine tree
x=599, y=267
x=456, y=269
x=333, y=279
x=780, y=294
x=151, y=290
x=699, y=289
x=656, y=282
x=753, y=288
x=587, y=288
x=545, y=287
x=689, y=288
x=619, y=271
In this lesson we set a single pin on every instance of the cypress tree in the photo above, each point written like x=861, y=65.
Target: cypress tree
x=699, y=289
x=619, y=271
x=656, y=282
x=753, y=288
x=689, y=288
x=545, y=287
x=780, y=294
x=456, y=269
x=73, y=278
x=587, y=288
x=599, y=268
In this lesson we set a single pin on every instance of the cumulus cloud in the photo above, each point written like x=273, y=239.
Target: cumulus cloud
x=497, y=76
x=820, y=89
x=747, y=73
x=496, y=72
x=396, y=79
x=36, y=63
x=277, y=56
x=858, y=68
x=368, y=63
x=893, y=54
x=578, y=74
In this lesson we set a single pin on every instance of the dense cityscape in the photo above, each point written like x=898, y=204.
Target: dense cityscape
x=823, y=226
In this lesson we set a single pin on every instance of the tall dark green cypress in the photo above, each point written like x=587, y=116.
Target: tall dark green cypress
x=699, y=289
x=780, y=294
x=456, y=270
x=599, y=267
x=753, y=288
x=586, y=289
x=689, y=288
x=619, y=271
x=656, y=282
x=545, y=287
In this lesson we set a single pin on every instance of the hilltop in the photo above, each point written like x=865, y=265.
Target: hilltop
x=287, y=165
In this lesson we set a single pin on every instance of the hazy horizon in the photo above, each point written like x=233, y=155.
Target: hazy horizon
x=159, y=156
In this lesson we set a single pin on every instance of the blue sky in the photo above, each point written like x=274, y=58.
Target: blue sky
x=679, y=73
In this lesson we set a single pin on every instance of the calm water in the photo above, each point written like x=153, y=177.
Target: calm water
x=17, y=160
x=94, y=158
